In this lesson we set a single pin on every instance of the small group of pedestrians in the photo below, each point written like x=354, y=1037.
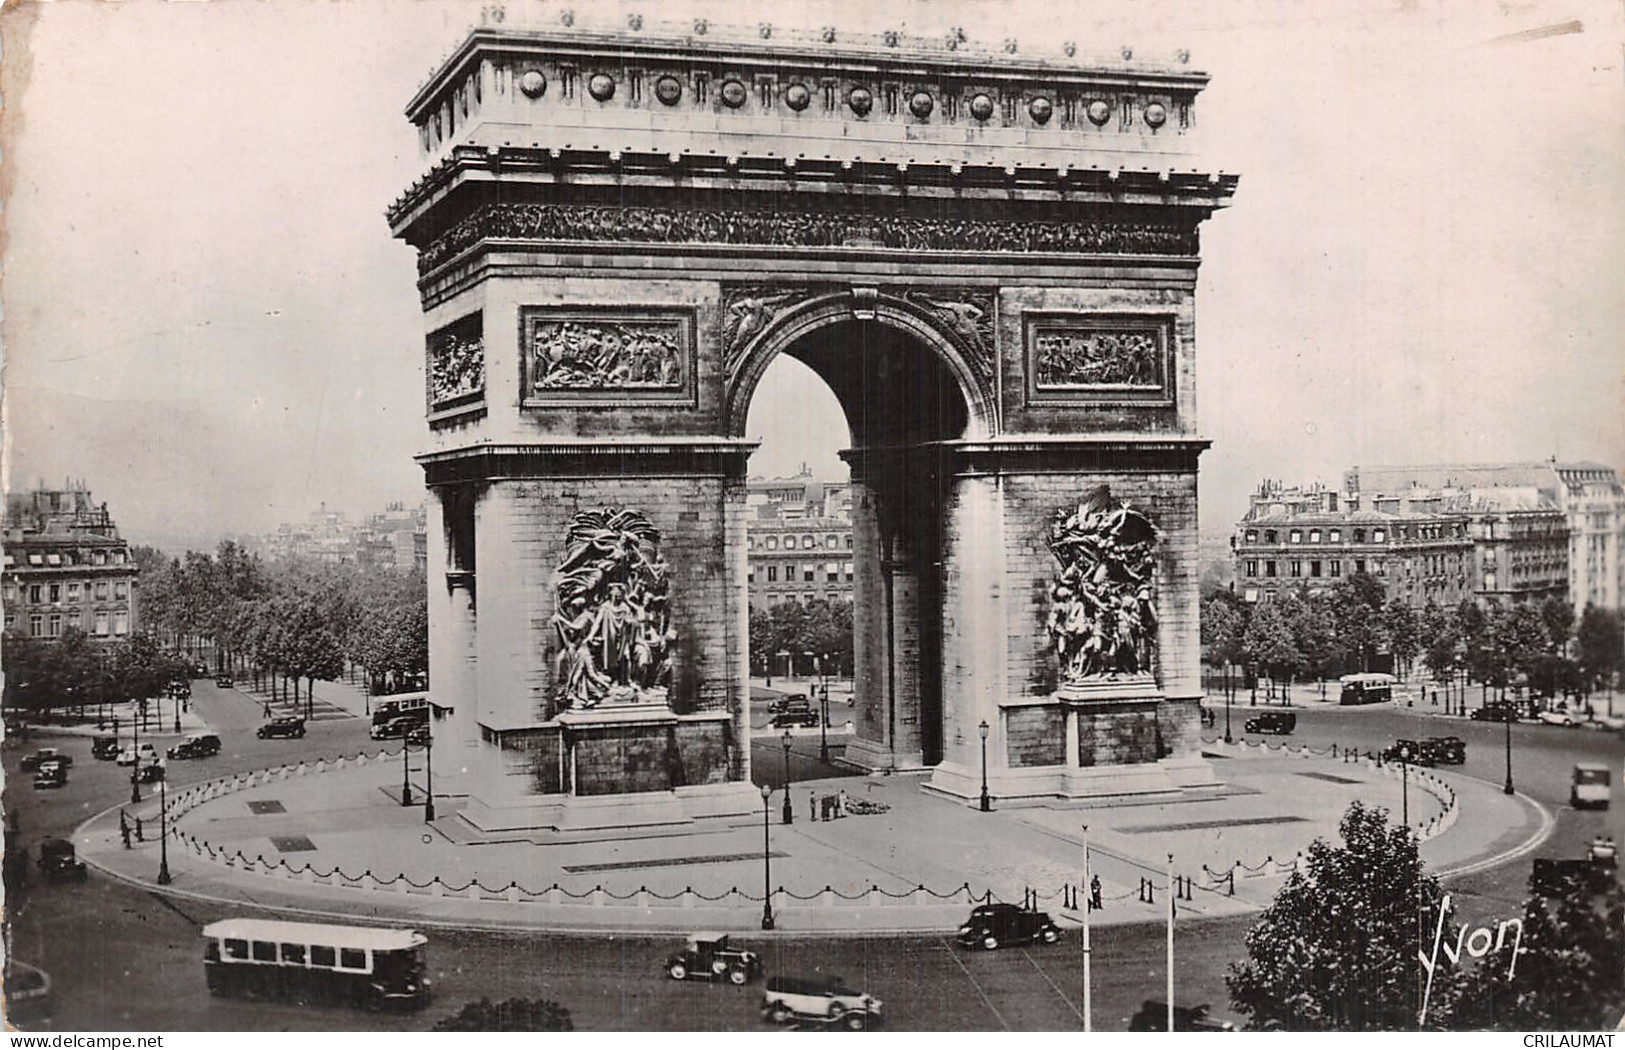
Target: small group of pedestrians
x=826, y=807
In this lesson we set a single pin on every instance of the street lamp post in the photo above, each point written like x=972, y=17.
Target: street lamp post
x=163, y=828
x=1405, y=786
x=1506, y=720
x=823, y=724
x=986, y=802
x=789, y=817
x=1227, y=738
x=767, y=859
x=428, y=778
x=135, y=748
x=406, y=766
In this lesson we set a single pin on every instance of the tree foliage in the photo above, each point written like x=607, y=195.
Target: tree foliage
x=1337, y=948
x=822, y=628
x=1357, y=609
x=511, y=1015
x=1600, y=645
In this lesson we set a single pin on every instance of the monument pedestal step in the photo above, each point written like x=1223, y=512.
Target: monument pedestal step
x=688, y=809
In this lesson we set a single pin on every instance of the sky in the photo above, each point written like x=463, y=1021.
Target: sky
x=206, y=319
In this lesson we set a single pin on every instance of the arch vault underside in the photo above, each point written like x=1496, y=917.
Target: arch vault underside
x=617, y=237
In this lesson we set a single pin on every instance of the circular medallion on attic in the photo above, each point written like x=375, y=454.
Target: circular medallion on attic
x=921, y=104
x=981, y=107
x=1156, y=114
x=532, y=83
x=1040, y=109
x=1099, y=112
x=861, y=101
x=601, y=87
x=796, y=96
x=668, y=90
x=732, y=94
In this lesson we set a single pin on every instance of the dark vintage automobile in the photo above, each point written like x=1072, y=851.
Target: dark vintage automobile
x=105, y=748
x=1445, y=750
x=1494, y=712
x=395, y=728
x=1563, y=877
x=420, y=735
x=793, y=702
x=31, y=763
x=1408, y=751
x=28, y=995
x=1153, y=1017
x=993, y=925
x=224, y=681
x=51, y=774
x=793, y=717
x=198, y=745
x=287, y=726
x=151, y=773
x=709, y=956
x=1281, y=723
x=57, y=861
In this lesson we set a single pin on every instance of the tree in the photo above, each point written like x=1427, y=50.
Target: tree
x=764, y=640
x=1567, y=974
x=1600, y=645
x=1519, y=634
x=1314, y=630
x=1401, y=629
x=1337, y=950
x=1472, y=626
x=1269, y=641
x=512, y=1015
x=1357, y=602
x=1558, y=616
x=1439, y=637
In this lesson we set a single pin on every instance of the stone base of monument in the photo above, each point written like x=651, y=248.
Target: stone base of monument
x=697, y=809
x=1168, y=778
x=870, y=756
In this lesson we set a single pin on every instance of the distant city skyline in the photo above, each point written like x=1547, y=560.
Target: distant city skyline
x=217, y=333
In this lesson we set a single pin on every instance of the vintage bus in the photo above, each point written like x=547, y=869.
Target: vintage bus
x=404, y=705
x=1366, y=688
x=361, y=966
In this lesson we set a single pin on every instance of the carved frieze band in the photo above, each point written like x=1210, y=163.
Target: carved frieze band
x=1098, y=357
x=456, y=363
x=572, y=355
x=803, y=229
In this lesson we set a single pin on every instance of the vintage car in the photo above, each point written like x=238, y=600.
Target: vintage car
x=57, y=861
x=823, y=999
x=1281, y=723
x=992, y=925
x=137, y=754
x=1494, y=712
x=420, y=735
x=709, y=956
x=150, y=774
x=1559, y=716
x=51, y=774
x=197, y=745
x=286, y=726
x=793, y=702
x=1603, y=851
x=224, y=681
x=105, y=748
x=1408, y=751
x=1153, y=1017
x=1445, y=750
x=805, y=717
x=396, y=728
x=28, y=995
x=31, y=763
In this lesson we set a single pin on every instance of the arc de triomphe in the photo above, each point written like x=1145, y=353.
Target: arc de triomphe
x=989, y=258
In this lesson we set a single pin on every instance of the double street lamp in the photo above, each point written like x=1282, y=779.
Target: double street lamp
x=789, y=817
x=767, y=858
x=987, y=806
x=163, y=827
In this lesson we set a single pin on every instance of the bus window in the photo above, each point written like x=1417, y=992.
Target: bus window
x=321, y=955
x=293, y=953
x=236, y=949
x=264, y=951
x=352, y=959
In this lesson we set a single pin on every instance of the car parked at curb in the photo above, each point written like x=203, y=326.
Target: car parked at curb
x=396, y=728
x=1494, y=712
x=1559, y=716
x=993, y=925
x=288, y=726
x=709, y=956
x=823, y=999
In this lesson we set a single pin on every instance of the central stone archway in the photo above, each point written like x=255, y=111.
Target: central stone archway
x=992, y=263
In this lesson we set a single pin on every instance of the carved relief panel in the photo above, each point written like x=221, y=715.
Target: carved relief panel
x=608, y=355
x=1099, y=358
x=455, y=368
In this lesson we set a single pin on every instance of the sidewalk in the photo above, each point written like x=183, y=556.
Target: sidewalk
x=336, y=841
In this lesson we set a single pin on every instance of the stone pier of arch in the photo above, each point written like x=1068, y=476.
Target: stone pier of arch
x=990, y=259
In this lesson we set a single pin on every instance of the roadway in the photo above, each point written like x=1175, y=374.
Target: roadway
x=120, y=957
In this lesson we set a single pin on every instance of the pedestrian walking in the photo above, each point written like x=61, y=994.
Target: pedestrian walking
x=840, y=803
x=812, y=805
x=1094, y=893
x=139, y=837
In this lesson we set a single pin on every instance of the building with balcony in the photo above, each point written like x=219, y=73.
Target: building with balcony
x=66, y=566
x=800, y=541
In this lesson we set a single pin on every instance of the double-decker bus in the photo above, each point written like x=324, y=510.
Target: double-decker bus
x=1366, y=688
x=403, y=705
x=362, y=966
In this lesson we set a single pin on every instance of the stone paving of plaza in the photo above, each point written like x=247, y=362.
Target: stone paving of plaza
x=1275, y=803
